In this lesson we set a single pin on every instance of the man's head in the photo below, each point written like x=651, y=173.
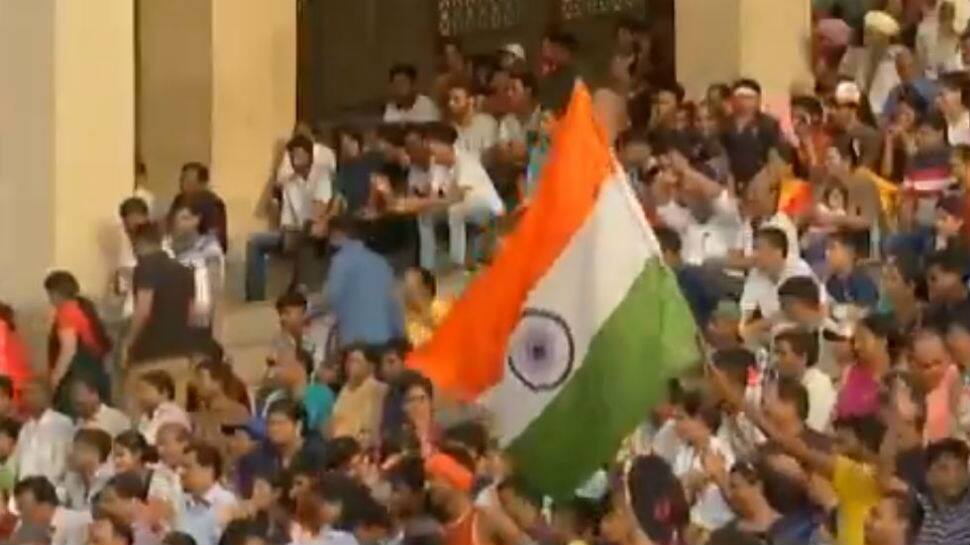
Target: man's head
x=106, y=529
x=889, y=522
x=154, y=388
x=85, y=396
x=929, y=360
x=203, y=468
x=840, y=252
x=392, y=358
x=37, y=397
x=407, y=480
x=847, y=99
x=521, y=91
x=187, y=219
x=124, y=496
x=559, y=47
x=171, y=443
x=736, y=365
x=931, y=132
x=293, y=368
x=36, y=500
x=91, y=449
x=950, y=100
x=211, y=378
x=946, y=469
x=667, y=99
x=699, y=420
x=950, y=212
x=193, y=177
x=945, y=274
x=901, y=276
x=958, y=339
x=402, y=79
x=461, y=101
x=906, y=65
x=722, y=329
x=796, y=350
x=291, y=307
x=859, y=437
x=358, y=364
x=129, y=451
x=300, y=151
x=133, y=212
x=746, y=99
x=417, y=402
x=800, y=300
x=284, y=422
x=770, y=250
x=790, y=404
x=146, y=239
x=343, y=228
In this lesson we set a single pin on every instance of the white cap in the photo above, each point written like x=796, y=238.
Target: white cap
x=847, y=92
x=514, y=49
x=881, y=22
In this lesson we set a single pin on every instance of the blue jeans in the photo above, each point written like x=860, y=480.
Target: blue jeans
x=258, y=248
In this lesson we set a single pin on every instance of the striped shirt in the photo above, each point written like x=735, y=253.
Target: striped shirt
x=944, y=525
x=929, y=172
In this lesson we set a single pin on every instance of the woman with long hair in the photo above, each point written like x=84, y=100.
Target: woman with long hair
x=78, y=342
x=874, y=344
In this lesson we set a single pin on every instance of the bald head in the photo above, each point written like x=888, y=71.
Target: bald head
x=930, y=359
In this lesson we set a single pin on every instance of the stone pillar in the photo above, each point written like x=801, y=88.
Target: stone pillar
x=217, y=84
x=719, y=41
x=67, y=128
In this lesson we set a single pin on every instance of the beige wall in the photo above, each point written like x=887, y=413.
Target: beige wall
x=66, y=143
x=174, y=88
x=722, y=40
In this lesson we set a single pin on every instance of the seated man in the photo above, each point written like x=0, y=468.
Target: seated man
x=460, y=175
x=852, y=289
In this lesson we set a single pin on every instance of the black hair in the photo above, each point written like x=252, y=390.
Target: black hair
x=428, y=280
x=300, y=142
x=672, y=87
x=96, y=438
x=135, y=442
x=10, y=428
x=696, y=406
x=774, y=237
x=201, y=171
x=933, y=120
x=801, y=288
x=409, y=473
x=528, y=80
x=950, y=260
x=291, y=409
x=341, y=451
x=845, y=238
x=563, y=39
x=161, y=381
x=810, y=104
x=346, y=224
x=746, y=83
x=64, y=283
x=803, y=343
x=178, y=538
x=194, y=206
x=208, y=457
x=472, y=435
x=118, y=527
x=39, y=487
x=669, y=239
x=657, y=499
x=147, y=234
x=398, y=345
x=792, y=391
x=403, y=69
x=950, y=446
x=128, y=486
x=736, y=363
x=132, y=205
x=410, y=379
x=441, y=132
x=291, y=299
x=868, y=429
x=6, y=386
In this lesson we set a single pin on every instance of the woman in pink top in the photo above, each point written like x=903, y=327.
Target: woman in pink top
x=859, y=393
x=939, y=377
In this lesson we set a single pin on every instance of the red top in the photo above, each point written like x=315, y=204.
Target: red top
x=13, y=357
x=70, y=316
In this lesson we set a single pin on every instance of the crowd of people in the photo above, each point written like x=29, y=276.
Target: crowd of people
x=823, y=248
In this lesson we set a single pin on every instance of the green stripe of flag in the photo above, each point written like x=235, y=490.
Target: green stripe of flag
x=649, y=337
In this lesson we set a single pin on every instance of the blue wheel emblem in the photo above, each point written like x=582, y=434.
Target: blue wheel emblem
x=541, y=350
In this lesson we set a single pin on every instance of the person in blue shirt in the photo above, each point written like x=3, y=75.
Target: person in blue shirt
x=360, y=289
x=292, y=376
x=847, y=283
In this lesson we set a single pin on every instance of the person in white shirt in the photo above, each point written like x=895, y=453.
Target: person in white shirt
x=701, y=210
x=39, y=507
x=406, y=105
x=873, y=66
x=90, y=469
x=207, y=503
x=155, y=397
x=950, y=103
x=304, y=188
x=796, y=353
x=45, y=438
x=459, y=176
x=760, y=305
x=709, y=509
x=477, y=132
x=91, y=411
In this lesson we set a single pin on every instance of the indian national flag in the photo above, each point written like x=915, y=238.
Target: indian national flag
x=569, y=337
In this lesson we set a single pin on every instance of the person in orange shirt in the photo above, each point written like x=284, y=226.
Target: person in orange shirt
x=14, y=362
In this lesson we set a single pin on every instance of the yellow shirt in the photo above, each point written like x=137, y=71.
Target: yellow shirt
x=417, y=328
x=858, y=491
